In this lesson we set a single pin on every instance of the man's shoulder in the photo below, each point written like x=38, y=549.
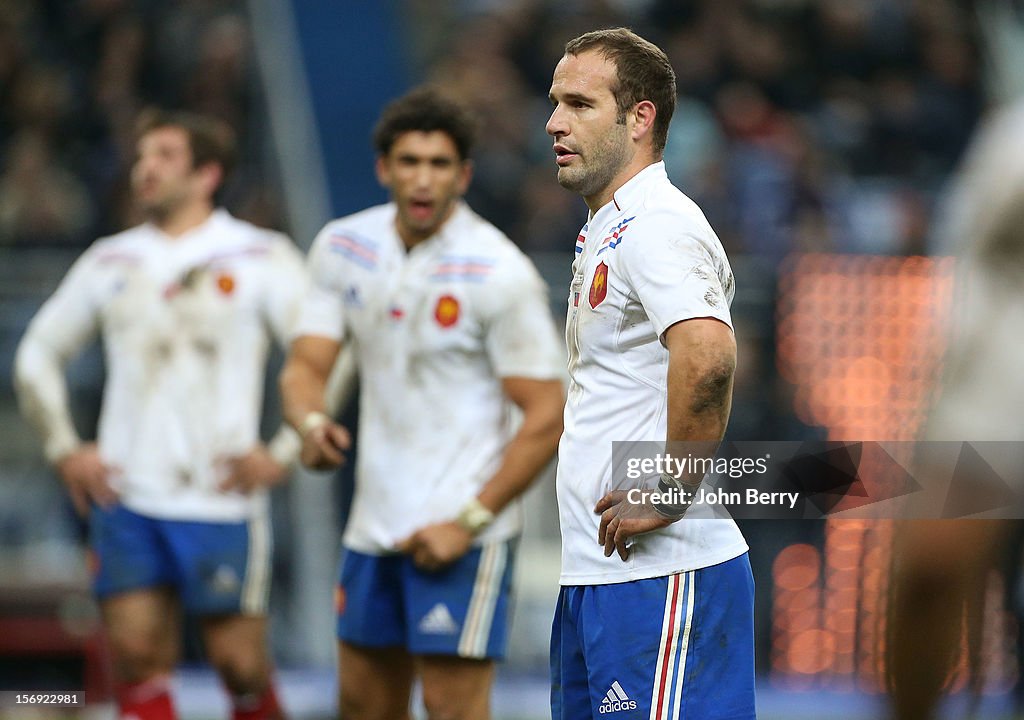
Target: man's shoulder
x=238, y=230
x=472, y=234
x=369, y=220
x=665, y=203
x=126, y=244
x=667, y=216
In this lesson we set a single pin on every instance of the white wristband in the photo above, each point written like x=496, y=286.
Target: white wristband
x=474, y=517
x=311, y=422
x=285, y=446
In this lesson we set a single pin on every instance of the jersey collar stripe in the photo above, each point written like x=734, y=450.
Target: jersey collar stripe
x=684, y=645
x=480, y=614
x=354, y=245
x=581, y=239
x=253, y=251
x=669, y=632
x=355, y=257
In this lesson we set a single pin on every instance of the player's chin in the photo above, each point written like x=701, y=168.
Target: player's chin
x=570, y=178
x=425, y=225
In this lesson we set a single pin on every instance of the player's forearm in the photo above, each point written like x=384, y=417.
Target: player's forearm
x=699, y=398
x=699, y=403
x=43, y=397
x=302, y=391
x=335, y=393
x=526, y=455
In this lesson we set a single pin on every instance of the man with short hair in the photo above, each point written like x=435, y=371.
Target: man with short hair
x=175, y=485
x=450, y=326
x=655, y=614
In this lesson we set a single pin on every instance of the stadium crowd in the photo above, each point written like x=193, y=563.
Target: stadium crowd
x=73, y=78
x=803, y=125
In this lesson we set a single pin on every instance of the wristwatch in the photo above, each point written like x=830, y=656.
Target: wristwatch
x=474, y=517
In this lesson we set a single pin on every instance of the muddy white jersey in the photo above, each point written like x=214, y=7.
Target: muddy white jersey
x=186, y=324
x=645, y=261
x=982, y=383
x=434, y=330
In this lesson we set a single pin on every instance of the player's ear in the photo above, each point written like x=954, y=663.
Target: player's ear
x=383, y=171
x=465, y=176
x=643, y=115
x=212, y=177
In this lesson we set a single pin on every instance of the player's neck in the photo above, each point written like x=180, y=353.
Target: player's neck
x=176, y=223
x=411, y=237
x=634, y=167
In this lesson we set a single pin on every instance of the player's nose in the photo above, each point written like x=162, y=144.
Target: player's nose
x=556, y=125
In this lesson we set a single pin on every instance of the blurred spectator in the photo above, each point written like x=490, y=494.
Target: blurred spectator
x=40, y=202
x=73, y=76
x=793, y=115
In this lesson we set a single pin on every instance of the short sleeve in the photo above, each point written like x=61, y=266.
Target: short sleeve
x=70, y=318
x=520, y=336
x=323, y=311
x=286, y=289
x=677, y=275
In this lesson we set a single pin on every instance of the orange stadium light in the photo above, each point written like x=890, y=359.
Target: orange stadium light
x=861, y=340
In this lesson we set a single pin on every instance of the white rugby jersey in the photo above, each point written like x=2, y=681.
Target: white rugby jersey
x=185, y=323
x=644, y=261
x=982, y=384
x=434, y=329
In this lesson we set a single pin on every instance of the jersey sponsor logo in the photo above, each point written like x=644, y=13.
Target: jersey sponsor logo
x=616, y=700
x=396, y=313
x=612, y=241
x=438, y=621
x=446, y=312
x=599, y=285
x=226, y=283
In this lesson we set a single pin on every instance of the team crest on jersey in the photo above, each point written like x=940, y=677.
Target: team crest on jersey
x=599, y=285
x=446, y=312
x=226, y=283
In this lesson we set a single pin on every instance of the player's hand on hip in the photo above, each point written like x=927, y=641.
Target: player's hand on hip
x=435, y=546
x=324, y=446
x=87, y=477
x=255, y=470
x=621, y=520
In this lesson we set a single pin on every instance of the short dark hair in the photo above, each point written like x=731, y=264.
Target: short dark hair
x=426, y=109
x=211, y=141
x=643, y=71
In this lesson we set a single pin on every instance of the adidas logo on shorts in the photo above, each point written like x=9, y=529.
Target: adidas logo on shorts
x=438, y=621
x=616, y=700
